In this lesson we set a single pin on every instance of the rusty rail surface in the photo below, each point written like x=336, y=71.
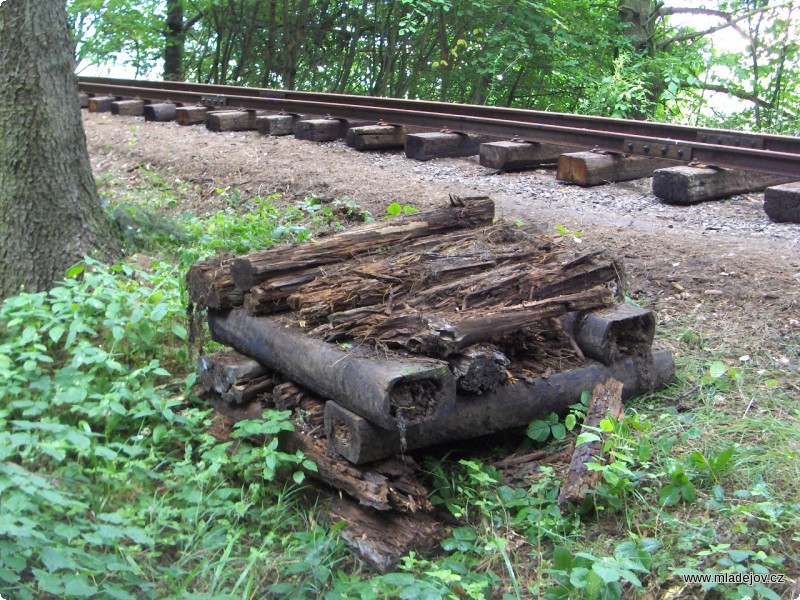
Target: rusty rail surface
x=716, y=147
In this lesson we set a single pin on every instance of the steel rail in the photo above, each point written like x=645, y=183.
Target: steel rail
x=780, y=163
x=725, y=137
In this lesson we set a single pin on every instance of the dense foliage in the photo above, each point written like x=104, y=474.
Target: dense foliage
x=625, y=59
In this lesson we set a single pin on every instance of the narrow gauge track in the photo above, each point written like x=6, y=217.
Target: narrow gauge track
x=775, y=143
x=723, y=148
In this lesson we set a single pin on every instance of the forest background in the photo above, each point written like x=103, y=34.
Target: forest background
x=731, y=64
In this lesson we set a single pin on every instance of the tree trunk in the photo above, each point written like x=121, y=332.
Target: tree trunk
x=174, y=40
x=50, y=214
x=638, y=18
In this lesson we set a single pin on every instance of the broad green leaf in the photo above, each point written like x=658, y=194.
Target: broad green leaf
x=56, y=332
x=578, y=577
x=587, y=437
x=8, y=576
x=670, y=495
x=179, y=330
x=724, y=457
x=159, y=312
x=562, y=558
x=740, y=555
x=689, y=492
x=75, y=585
x=718, y=493
x=717, y=369
x=75, y=270
x=394, y=209
x=570, y=421
x=50, y=583
x=57, y=558
x=609, y=574
x=398, y=579
x=538, y=430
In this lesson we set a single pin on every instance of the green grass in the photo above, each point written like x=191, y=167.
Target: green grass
x=112, y=487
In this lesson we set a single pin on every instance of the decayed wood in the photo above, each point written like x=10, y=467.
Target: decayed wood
x=231, y=368
x=130, y=108
x=606, y=401
x=689, y=185
x=351, y=291
x=508, y=285
x=239, y=393
x=387, y=485
x=426, y=146
x=594, y=168
x=308, y=409
x=355, y=438
x=381, y=539
x=420, y=264
x=376, y=137
x=211, y=286
x=205, y=369
x=252, y=269
x=373, y=283
x=160, y=112
x=234, y=376
x=610, y=334
x=506, y=407
x=782, y=202
x=512, y=284
x=191, y=115
x=272, y=296
x=524, y=468
x=515, y=156
x=479, y=369
x=442, y=336
x=390, y=392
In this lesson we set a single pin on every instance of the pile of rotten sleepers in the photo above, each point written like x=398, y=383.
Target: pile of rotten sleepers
x=411, y=332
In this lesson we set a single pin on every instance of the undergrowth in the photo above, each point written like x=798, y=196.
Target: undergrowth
x=112, y=487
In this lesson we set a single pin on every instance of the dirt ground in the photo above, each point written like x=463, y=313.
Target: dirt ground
x=722, y=262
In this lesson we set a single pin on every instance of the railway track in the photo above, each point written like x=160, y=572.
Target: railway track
x=755, y=153
x=715, y=137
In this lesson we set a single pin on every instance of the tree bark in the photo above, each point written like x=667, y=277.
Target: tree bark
x=174, y=40
x=50, y=214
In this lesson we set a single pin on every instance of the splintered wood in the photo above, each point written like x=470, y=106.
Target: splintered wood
x=606, y=401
